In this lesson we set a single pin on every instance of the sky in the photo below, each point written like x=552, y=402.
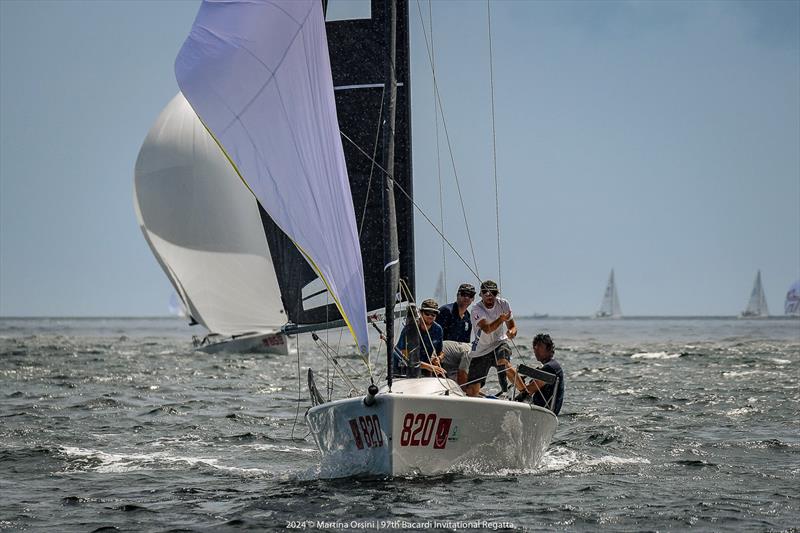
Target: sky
x=661, y=139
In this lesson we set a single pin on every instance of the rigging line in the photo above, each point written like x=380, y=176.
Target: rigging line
x=438, y=155
x=326, y=351
x=335, y=358
x=409, y=296
x=449, y=147
x=416, y=206
x=372, y=167
x=494, y=144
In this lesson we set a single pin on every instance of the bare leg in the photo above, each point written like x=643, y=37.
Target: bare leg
x=515, y=378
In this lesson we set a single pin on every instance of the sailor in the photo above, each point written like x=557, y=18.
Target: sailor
x=537, y=391
x=420, y=342
x=455, y=360
x=454, y=318
x=494, y=326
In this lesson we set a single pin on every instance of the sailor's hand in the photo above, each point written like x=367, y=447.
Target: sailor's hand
x=512, y=332
x=505, y=316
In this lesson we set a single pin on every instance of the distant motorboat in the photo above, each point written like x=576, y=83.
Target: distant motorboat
x=609, y=308
x=757, y=306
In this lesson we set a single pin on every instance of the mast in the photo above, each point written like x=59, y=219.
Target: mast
x=391, y=259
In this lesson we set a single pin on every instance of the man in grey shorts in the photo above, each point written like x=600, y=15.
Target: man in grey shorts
x=455, y=360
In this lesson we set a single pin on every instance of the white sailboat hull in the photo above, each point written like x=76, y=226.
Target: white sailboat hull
x=424, y=432
x=272, y=343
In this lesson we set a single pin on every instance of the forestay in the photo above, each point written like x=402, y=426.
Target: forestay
x=204, y=227
x=258, y=75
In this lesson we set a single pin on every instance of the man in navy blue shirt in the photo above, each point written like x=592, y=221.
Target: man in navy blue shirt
x=454, y=318
x=537, y=391
x=420, y=343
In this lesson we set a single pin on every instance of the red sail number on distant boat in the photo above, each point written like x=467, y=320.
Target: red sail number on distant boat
x=366, y=431
x=418, y=430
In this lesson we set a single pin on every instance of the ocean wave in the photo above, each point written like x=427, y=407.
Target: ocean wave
x=655, y=355
x=558, y=459
x=82, y=459
x=739, y=373
x=281, y=448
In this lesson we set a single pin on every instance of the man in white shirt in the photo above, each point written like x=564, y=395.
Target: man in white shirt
x=493, y=323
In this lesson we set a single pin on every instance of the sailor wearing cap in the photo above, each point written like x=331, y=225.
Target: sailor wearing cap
x=454, y=318
x=420, y=342
x=494, y=325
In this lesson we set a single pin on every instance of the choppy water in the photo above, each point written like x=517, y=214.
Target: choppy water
x=668, y=424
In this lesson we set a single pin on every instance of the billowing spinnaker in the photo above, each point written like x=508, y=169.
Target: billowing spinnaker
x=258, y=74
x=204, y=227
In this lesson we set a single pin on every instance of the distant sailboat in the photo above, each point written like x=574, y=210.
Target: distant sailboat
x=792, y=304
x=757, y=306
x=609, y=308
x=440, y=294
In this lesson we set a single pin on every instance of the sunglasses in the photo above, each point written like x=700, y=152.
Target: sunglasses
x=493, y=293
x=467, y=294
x=429, y=313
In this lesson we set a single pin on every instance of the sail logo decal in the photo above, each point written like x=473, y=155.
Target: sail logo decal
x=366, y=432
x=418, y=430
x=442, y=431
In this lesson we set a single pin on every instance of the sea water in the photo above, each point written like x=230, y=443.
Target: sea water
x=667, y=424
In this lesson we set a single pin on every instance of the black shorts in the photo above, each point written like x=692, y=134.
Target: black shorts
x=479, y=367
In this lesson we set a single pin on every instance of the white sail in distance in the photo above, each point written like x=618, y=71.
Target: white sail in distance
x=204, y=227
x=258, y=75
x=791, y=306
x=609, y=307
x=757, y=305
x=440, y=294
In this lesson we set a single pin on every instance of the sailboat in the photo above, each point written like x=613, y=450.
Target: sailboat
x=440, y=293
x=204, y=229
x=757, y=305
x=609, y=307
x=791, y=306
x=267, y=81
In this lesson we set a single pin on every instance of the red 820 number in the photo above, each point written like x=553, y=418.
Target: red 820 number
x=417, y=429
x=366, y=431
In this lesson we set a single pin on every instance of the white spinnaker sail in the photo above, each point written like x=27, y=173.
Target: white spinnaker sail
x=757, y=305
x=204, y=226
x=792, y=304
x=258, y=74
